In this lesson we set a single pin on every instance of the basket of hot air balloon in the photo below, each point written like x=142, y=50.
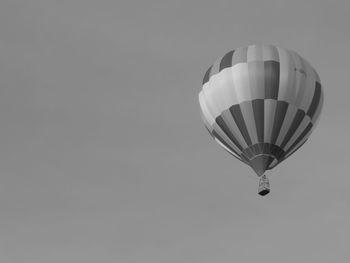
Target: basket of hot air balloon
x=261, y=103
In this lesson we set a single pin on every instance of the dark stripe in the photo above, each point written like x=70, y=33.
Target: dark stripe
x=299, y=116
x=238, y=117
x=207, y=75
x=276, y=151
x=220, y=121
x=280, y=114
x=279, y=153
x=258, y=109
x=301, y=136
x=272, y=79
x=315, y=100
x=216, y=135
x=226, y=61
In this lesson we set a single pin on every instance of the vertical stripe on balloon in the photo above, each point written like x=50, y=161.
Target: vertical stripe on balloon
x=258, y=109
x=226, y=61
x=315, y=100
x=238, y=117
x=272, y=78
x=281, y=110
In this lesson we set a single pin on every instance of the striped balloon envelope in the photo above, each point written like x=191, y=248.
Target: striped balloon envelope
x=261, y=103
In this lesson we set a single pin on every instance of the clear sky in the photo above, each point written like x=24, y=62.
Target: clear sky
x=103, y=156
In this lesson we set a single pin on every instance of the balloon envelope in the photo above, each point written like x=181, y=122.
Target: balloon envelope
x=261, y=103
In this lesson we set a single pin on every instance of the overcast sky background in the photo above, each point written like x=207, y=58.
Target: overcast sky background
x=103, y=156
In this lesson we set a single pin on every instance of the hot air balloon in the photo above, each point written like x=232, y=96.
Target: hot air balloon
x=261, y=103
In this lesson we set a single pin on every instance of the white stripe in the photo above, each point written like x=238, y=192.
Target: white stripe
x=254, y=53
x=223, y=85
x=269, y=53
x=209, y=94
x=206, y=113
x=300, y=83
x=241, y=81
x=309, y=89
x=286, y=91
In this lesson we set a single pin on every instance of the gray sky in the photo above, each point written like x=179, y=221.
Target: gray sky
x=103, y=155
